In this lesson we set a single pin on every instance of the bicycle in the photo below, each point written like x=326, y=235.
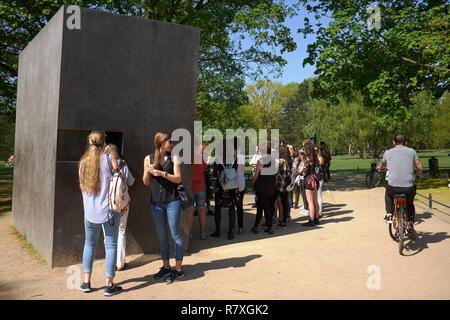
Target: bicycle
x=374, y=177
x=400, y=221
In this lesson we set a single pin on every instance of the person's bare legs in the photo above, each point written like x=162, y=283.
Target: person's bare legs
x=316, y=205
x=166, y=264
x=179, y=265
x=192, y=222
x=87, y=279
x=280, y=209
x=109, y=281
x=311, y=203
x=202, y=220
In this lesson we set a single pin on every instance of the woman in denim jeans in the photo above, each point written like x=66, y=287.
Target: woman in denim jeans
x=94, y=176
x=163, y=175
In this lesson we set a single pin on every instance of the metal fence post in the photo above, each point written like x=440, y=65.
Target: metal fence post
x=430, y=201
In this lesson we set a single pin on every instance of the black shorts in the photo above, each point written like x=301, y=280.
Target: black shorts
x=309, y=185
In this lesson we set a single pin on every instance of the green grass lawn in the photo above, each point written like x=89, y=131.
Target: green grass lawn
x=4, y=170
x=339, y=163
x=433, y=183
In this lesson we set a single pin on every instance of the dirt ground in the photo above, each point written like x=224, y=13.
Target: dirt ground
x=340, y=259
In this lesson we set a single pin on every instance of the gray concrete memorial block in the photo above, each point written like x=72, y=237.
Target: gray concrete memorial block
x=128, y=76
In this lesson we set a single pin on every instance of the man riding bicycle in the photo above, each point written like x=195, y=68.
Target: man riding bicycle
x=400, y=162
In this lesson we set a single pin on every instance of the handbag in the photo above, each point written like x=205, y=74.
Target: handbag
x=185, y=197
x=291, y=186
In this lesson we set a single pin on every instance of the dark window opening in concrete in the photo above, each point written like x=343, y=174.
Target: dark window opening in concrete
x=72, y=143
x=115, y=138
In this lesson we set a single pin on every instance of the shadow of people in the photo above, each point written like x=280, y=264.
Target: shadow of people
x=193, y=271
x=326, y=214
x=294, y=226
x=327, y=207
x=346, y=181
x=413, y=247
x=421, y=217
x=142, y=261
x=336, y=220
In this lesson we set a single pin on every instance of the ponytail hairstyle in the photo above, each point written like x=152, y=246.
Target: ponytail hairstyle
x=160, y=138
x=89, y=165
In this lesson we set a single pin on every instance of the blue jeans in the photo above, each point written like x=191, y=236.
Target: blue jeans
x=111, y=233
x=200, y=199
x=168, y=214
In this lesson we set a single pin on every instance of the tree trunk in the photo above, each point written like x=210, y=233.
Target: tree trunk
x=349, y=149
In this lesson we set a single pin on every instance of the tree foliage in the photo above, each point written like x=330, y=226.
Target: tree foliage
x=389, y=66
x=224, y=60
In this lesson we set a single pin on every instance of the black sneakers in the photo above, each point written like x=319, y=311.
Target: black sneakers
x=86, y=287
x=269, y=230
x=112, y=290
x=174, y=275
x=161, y=273
x=310, y=223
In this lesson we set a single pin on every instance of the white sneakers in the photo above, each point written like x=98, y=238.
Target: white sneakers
x=303, y=212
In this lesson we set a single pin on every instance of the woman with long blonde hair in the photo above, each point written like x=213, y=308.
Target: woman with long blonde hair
x=95, y=170
x=163, y=174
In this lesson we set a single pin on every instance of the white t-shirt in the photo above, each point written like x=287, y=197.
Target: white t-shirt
x=255, y=159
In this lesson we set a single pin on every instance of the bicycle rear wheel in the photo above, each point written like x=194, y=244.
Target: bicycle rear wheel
x=401, y=229
x=393, y=228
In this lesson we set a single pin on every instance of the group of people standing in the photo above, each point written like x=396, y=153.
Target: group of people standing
x=295, y=173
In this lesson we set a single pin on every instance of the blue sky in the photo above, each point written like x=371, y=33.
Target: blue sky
x=294, y=71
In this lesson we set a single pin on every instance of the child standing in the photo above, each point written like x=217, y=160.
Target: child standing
x=122, y=240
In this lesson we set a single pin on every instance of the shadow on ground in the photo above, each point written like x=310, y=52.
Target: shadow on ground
x=346, y=181
x=413, y=247
x=332, y=213
x=195, y=271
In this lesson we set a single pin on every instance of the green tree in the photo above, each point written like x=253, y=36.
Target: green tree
x=388, y=66
x=418, y=126
x=224, y=60
x=6, y=137
x=267, y=99
x=441, y=123
x=293, y=113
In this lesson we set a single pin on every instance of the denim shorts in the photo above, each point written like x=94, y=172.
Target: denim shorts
x=200, y=199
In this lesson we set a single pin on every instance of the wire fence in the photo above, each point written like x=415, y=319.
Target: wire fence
x=430, y=201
